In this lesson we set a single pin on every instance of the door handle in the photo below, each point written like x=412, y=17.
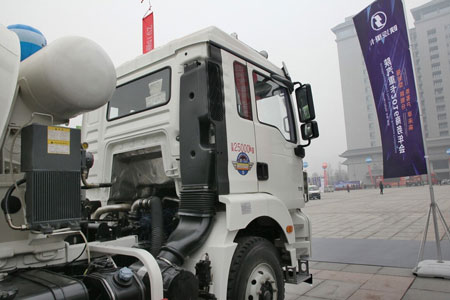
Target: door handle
x=262, y=171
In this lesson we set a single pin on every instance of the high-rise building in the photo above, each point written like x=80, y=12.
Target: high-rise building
x=430, y=46
x=361, y=123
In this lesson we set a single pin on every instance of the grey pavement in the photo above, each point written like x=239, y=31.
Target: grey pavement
x=392, y=253
x=360, y=238
x=398, y=214
x=358, y=282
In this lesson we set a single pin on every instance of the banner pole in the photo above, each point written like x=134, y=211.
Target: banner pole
x=425, y=145
x=425, y=268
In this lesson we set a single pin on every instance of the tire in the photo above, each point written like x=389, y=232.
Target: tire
x=255, y=267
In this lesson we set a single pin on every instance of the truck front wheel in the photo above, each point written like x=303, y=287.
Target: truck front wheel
x=255, y=271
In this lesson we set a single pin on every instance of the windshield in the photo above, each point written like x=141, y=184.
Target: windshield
x=313, y=188
x=141, y=94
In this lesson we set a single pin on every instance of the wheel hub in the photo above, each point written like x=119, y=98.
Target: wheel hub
x=266, y=291
x=261, y=284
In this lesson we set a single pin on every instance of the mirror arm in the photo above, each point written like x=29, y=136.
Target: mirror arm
x=297, y=82
x=300, y=149
x=304, y=146
x=283, y=80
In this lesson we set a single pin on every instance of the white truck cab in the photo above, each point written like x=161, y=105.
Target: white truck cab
x=197, y=187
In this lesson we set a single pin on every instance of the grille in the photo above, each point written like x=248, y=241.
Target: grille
x=53, y=198
x=198, y=203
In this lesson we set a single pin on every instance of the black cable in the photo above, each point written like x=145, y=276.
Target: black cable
x=75, y=259
x=9, y=193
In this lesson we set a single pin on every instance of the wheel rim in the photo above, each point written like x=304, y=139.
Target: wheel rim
x=262, y=284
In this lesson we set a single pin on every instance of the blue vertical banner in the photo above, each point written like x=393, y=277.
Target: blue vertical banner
x=383, y=36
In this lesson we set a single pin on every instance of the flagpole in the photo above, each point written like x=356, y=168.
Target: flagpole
x=426, y=268
x=425, y=146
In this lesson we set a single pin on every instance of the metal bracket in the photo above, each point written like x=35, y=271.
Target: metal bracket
x=294, y=276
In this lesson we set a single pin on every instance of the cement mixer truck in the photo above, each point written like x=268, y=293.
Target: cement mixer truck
x=185, y=181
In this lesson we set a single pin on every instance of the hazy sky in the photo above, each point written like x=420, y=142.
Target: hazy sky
x=296, y=32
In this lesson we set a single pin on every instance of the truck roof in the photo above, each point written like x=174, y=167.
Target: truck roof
x=210, y=34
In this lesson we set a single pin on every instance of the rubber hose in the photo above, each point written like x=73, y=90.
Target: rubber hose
x=157, y=233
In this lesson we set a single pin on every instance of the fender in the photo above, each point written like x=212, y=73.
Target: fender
x=241, y=209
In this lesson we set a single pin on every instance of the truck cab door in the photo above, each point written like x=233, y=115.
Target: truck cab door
x=279, y=170
x=240, y=128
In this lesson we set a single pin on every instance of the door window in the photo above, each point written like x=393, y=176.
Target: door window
x=244, y=103
x=273, y=105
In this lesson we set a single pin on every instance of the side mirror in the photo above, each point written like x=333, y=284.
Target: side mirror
x=309, y=130
x=305, y=103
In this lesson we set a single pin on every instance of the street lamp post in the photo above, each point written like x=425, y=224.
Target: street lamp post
x=368, y=161
x=325, y=176
x=448, y=153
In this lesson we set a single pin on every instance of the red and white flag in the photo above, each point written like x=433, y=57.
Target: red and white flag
x=148, y=33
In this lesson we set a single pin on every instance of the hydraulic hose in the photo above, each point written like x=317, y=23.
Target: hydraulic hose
x=87, y=185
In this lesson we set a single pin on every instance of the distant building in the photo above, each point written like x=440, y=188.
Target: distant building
x=430, y=41
x=361, y=123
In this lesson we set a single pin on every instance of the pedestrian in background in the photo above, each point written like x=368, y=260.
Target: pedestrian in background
x=348, y=188
x=381, y=187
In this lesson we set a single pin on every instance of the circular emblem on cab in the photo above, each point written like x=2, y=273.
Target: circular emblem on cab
x=242, y=164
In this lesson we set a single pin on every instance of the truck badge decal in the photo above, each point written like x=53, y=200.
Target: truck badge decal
x=239, y=147
x=242, y=163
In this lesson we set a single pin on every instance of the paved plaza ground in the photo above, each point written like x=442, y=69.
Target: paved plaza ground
x=398, y=214
x=365, y=219
x=360, y=282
